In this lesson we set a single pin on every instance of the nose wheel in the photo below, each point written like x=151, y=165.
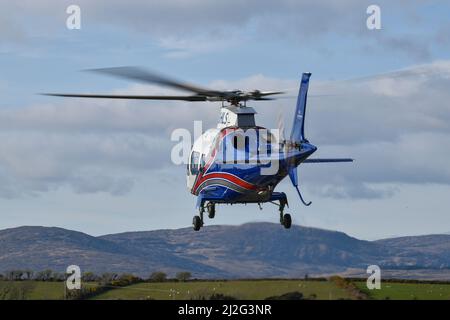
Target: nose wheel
x=197, y=221
x=285, y=218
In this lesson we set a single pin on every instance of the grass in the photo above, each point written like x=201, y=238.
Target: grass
x=408, y=291
x=240, y=289
x=251, y=289
x=33, y=290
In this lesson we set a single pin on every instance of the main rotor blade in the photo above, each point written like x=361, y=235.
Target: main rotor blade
x=418, y=71
x=260, y=99
x=327, y=160
x=142, y=75
x=109, y=96
x=268, y=93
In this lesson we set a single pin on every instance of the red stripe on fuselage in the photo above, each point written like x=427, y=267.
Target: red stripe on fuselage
x=229, y=177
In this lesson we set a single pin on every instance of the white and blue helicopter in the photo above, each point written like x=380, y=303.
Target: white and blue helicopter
x=238, y=161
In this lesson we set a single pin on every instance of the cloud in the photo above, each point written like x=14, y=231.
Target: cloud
x=37, y=161
x=10, y=30
x=420, y=50
x=185, y=28
x=187, y=47
x=395, y=125
x=90, y=145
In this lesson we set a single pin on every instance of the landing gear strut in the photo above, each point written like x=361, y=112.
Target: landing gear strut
x=285, y=219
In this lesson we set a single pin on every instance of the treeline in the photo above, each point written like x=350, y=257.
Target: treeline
x=44, y=275
x=107, y=277
x=350, y=287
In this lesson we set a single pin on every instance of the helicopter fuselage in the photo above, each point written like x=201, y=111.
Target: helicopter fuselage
x=241, y=165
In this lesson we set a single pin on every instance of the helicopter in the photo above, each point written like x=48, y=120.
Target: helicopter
x=238, y=162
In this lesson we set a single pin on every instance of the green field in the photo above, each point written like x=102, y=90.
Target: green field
x=242, y=289
x=256, y=289
x=408, y=291
x=33, y=290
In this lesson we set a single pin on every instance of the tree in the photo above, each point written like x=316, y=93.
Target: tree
x=14, y=275
x=158, y=276
x=108, y=277
x=29, y=274
x=125, y=279
x=183, y=276
x=9, y=275
x=44, y=275
x=89, y=276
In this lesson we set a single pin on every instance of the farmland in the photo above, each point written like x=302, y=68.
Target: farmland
x=251, y=289
x=238, y=289
x=408, y=291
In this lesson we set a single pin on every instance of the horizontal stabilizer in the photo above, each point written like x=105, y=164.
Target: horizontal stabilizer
x=327, y=160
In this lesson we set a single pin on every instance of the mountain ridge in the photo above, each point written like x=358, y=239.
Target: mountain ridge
x=251, y=250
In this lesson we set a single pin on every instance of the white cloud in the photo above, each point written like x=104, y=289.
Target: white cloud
x=200, y=26
x=395, y=125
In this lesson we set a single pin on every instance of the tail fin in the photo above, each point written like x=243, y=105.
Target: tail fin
x=297, y=133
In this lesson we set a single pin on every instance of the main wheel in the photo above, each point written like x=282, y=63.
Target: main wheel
x=211, y=208
x=287, y=221
x=197, y=223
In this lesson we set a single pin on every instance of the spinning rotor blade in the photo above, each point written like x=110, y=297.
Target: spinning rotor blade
x=410, y=72
x=142, y=75
x=109, y=96
x=258, y=99
x=327, y=160
x=266, y=93
x=201, y=94
x=258, y=95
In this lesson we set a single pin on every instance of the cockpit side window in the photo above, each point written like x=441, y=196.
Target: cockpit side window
x=202, y=162
x=195, y=159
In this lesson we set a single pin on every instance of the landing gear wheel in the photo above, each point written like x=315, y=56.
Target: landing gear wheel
x=197, y=223
x=211, y=208
x=287, y=221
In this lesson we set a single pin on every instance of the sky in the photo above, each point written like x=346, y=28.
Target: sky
x=100, y=166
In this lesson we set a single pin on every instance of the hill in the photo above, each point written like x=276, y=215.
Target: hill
x=253, y=250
